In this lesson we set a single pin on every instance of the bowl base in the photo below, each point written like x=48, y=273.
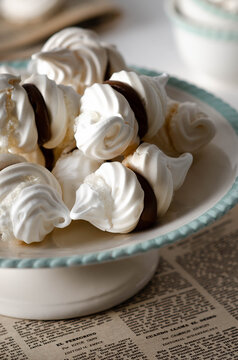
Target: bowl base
x=61, y=293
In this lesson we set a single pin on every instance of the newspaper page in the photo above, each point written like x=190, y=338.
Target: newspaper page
x=189, y=310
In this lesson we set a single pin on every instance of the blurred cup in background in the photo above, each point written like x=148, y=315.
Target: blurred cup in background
x=206, y=35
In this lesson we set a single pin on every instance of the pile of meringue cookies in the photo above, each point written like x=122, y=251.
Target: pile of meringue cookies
x=82, y=137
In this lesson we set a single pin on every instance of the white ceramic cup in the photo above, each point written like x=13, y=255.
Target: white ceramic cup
x=210, y=51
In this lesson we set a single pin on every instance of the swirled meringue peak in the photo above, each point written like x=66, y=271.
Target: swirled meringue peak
x=164, y=174
x=186, y=129
x=151, y=91
x=77, y=57
x=71, y=170
x=62, y=103
x=78, y=68
x=60, y=65
x=106, y=126
x=30, y=203
x=17, y=120
x=70, y=38
x=111, y=199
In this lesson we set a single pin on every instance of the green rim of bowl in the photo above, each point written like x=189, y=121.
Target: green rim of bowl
x=213, y=9
x=198, y=29
x=214, y=213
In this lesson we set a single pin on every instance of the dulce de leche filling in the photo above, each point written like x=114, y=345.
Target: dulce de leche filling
x=135, y=103
x=149, y=214
x=42, y=121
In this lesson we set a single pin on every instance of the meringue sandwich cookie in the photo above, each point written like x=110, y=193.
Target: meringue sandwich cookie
x=106, y=126
x=55, y=107
x=24, y=124
x=113, y=199
x=30, y=203
x=62, y=104
x=164, y=174
x=152, y=94
x=70, y=170
x=76, y=57
x=186, y=129
x=18, y=132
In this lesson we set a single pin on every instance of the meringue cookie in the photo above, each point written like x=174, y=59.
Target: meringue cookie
x=152, y=92
x=106, y=126
x=62, y=103
x=73, y=38
x=164, y=174
x=186, y=129
x=79, y=68
x=30, y=203
x=76, y=57
x=70, y=170
x=18, y=130
x=111, y=199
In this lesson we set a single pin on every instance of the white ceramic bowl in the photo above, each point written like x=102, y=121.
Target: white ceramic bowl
x=210, y=51
x=205, y=13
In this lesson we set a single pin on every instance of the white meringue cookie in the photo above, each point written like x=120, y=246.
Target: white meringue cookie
x=76, y=57
x=60, y=65
x=152, y=92
x=164, y=174
x=70, y=170
x=36, y=212
x=17, y=119
x=187, y=129
x=63, y=105
x=106, y=126
x=86, y=59
x=30, y=203
x=111, y=199
x=25, y=172
x=79, y=68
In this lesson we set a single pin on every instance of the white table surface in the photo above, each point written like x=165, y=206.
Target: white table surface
x=144, y=36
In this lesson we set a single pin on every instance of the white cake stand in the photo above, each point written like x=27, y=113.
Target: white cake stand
x=81, y=270
x=67, y=292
